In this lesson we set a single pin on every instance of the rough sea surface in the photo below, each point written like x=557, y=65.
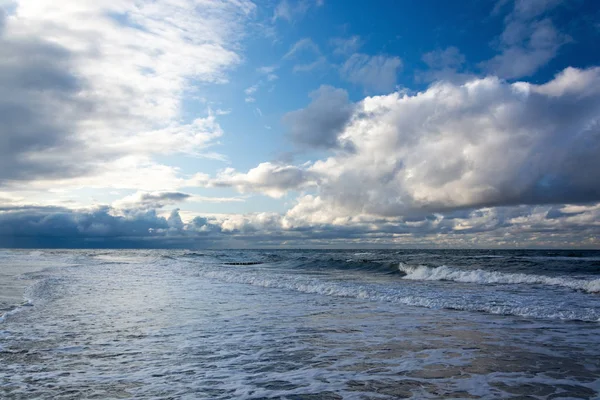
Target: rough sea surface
x=299, y=324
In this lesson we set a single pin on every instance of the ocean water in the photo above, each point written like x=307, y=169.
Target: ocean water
x=299, y=324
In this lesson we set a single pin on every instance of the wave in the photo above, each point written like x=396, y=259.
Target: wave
x=4, y=313
x=405, y=296
x=445, y=273
x=193, y=254
x=243, y=263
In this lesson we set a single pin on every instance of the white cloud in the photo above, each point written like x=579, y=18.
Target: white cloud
x=527, y=42
x=291, y=10
x=346, y=46
x=268, y=178
x=116, y=72
x=305, y=45
x=376, y=73
x=444, y=65
x=483, y=143
x=268, y=69
x=450, y=57
x=250, y=91
x=320, y=62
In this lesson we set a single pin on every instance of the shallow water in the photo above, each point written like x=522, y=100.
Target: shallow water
x=301, y=324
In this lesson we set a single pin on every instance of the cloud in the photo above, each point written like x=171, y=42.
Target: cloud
x=527, y=42
x=303, y=46
x=2, y=20
x=271, y=179
x=105, y=227
x=252, y=89
x=40, y=98
x=318, y=63
x=484, y=143
x=527, y=9
x=450, y=57
x=301, y=49
x=374, y=73
x=444, y=65
x=72, y=228
x=268, y=69
x=283, y=11
x=293, y=10
x=151, y=200
x=346, y=46
x=106, y=73
x=322, y=121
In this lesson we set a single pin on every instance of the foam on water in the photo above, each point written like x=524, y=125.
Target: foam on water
x=445, y=273
x=526, y=306
x=14, y=309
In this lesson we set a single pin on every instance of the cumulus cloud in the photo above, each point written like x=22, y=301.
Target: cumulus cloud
x=271, y=179
x=104, y=73
x=374, y=73
x=482, y=143
x=322, y=121
x=479, y=144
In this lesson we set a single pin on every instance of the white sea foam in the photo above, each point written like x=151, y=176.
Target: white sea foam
x=403, y=295
x=445, y=273
x=15, y=310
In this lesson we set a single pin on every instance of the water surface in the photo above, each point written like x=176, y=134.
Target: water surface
x=299, y=324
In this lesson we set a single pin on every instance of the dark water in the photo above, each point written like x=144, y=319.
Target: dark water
x=299, y=324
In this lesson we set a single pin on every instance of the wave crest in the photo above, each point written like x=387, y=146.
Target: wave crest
x=445, y=273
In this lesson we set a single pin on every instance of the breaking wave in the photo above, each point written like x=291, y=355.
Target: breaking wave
x=445, y=273
x=405, y=296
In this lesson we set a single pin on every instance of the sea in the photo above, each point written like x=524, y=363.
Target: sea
x=299, y=324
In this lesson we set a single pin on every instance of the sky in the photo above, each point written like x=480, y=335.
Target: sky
x=300, y=124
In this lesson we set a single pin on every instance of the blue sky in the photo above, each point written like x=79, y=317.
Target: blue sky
x=238, y=123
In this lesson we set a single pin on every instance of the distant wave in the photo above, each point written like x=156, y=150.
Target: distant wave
x=445, y=273
x=398, y=295
x=193, y=254
x=243, y=263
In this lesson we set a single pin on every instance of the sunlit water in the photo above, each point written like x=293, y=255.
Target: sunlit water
x=299, y=325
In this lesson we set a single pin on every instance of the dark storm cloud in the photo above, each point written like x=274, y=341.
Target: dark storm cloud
x=56, y=227
x=320, y=123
